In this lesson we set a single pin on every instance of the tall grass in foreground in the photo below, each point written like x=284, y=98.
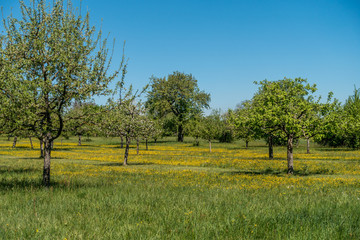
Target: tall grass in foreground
x=155, y=199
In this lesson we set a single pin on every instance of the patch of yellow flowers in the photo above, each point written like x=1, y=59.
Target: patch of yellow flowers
x=183, y=165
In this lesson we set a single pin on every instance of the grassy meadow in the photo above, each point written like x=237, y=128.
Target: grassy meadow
x=178, y=191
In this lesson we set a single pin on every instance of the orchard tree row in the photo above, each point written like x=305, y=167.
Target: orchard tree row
x=52, y=62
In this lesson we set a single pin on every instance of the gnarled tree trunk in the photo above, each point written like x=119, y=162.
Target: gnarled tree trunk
x=271, y=149
x=308, y=145
x=31, y=143
x=79, y=141
x=290, y=158
x=180, y=133
x=47, y=156
x=127, y=146
x=246, y=144
x=14, y=142
x=137, y=146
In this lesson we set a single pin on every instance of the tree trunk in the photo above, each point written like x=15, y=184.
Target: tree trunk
x=210, y=145
x=14, y=142
x=137, y=146
x=246, y=144
x=121, y=142
x=126, y=151
x=290, y=157
x=155, y=140
x=180, y=133
x=271, y=149
x=47, y=157
x=146, y=143
x=41, y=148
x=31, y=143
x=9, y=136
x=308, y=145
x=79, y=142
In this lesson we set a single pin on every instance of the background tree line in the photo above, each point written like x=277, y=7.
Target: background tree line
x=52, y=62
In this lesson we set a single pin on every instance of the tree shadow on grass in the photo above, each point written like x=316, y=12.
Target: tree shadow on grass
x=336, y=149
x=121, y=164
x=255, y=172
x=268, y=171
x=17, y=171
x=36, y=184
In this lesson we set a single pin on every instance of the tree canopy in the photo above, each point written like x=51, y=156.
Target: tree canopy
x=177, y=95
x=285, y=106
x=53, y=56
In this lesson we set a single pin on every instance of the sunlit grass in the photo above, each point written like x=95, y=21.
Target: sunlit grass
x=178, y=191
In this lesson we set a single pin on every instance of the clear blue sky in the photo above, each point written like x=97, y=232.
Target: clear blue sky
x=229, y=44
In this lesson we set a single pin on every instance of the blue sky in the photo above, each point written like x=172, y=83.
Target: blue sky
x=227, y=45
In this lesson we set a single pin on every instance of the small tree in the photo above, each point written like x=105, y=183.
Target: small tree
x=243, y=123
x=83, y=118
x=54, y=57
x=211, y=127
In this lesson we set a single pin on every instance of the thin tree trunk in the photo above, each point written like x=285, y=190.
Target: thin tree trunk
x=246, y=144
x=79, y=142
x=41, y=148
x=308, y=145
x=137, y=146
x=122, y=141
x=146, y=143
x=31, y=143
x=155, y=140
x=271, y=149
x=9, y=136
x=126, y=151
x=210, y=145
x=47, y=157
x=290, y=157
x=14, y=142
x=180, y=133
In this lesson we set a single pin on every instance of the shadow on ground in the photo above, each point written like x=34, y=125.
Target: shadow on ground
x=303, y=172
x=121, y=164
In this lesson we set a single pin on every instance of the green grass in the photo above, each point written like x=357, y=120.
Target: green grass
x=136, y=205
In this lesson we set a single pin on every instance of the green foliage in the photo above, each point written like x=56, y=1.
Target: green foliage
x=50, y=58
x=211, y=126
x=83, y=119
x=351, y=121
x=285, y=108
x=167, y=202
x=243, y=122
x=177, y=96
x=340, y=125
x=284, y=105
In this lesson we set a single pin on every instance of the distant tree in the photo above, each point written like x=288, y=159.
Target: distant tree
x=194, y=127
x=314, y=123
x=125, y=117
x=54, y=57
x=285, y=105
x=211, y=127
x=331, y=131
x=176, y=95
x=243, y=123
x=83, y=118
x=351, y=121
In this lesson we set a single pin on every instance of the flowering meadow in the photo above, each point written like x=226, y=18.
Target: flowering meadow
x=178, y=191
